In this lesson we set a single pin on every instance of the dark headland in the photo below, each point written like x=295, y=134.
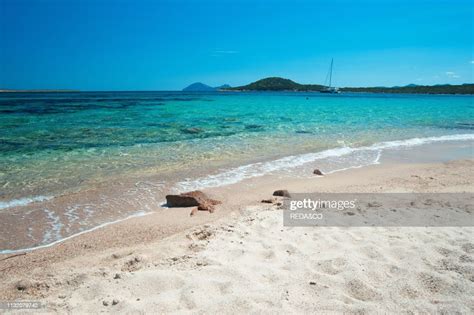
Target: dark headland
x=281, y=84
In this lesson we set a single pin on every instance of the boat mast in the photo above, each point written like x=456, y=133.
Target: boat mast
x=330, y=72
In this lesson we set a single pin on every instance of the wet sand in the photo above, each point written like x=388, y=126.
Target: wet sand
x=100, y=202
x=242, y=259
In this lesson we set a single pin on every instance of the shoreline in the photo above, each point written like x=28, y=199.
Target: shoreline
x=296, y=163
x=339, y=93
x=227, y=91
x=167, y=229
x=265, y=179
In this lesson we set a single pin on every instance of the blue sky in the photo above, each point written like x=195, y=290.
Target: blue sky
x=165, y=45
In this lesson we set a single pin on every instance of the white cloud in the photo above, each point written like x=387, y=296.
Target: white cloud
x=472, y=61
x=452, y=75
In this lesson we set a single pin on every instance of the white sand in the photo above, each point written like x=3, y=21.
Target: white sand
x=255, y=265
x=249, y=263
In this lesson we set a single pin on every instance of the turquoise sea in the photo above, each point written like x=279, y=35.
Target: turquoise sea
x=145, y=143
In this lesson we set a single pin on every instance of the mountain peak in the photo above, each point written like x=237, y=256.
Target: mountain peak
x=198, y=86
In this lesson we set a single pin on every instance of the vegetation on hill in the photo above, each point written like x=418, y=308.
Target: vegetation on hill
x=224, y=86
x=416, y=89
x=281, y=84
x=277, y=84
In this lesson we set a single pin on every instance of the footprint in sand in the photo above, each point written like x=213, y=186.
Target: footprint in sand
x=444, y=251
x=432, y=283
x=133, y=264
x=332, y=266
x=466, y=259
x=361, y=291
x=407, y=291
x=372, y=253
x=395, y=270
x=468, y=248
x=449, y=265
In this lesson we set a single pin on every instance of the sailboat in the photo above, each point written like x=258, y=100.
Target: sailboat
x=329, y=88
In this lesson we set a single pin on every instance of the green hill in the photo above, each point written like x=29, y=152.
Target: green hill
x=281, y=84
x=277, y=84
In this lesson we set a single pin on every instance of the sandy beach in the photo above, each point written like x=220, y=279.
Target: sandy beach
x=236, y=157
x=242, y=259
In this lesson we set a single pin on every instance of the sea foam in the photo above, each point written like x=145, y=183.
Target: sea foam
x=60, y=240
x=238, y=174
x=23, y=201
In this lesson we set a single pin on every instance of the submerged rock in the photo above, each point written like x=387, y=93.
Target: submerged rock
x=192, y=130
x=192, y=199
x=253, y=126
x=282, y=193
x=318, y=172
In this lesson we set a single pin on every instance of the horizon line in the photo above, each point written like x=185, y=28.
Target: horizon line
x=66, y=90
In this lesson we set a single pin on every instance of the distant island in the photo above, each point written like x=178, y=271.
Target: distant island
x=277, y=84
x=282, y=84
x=201, y=87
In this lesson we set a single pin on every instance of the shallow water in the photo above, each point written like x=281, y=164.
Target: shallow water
x=112, y=154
